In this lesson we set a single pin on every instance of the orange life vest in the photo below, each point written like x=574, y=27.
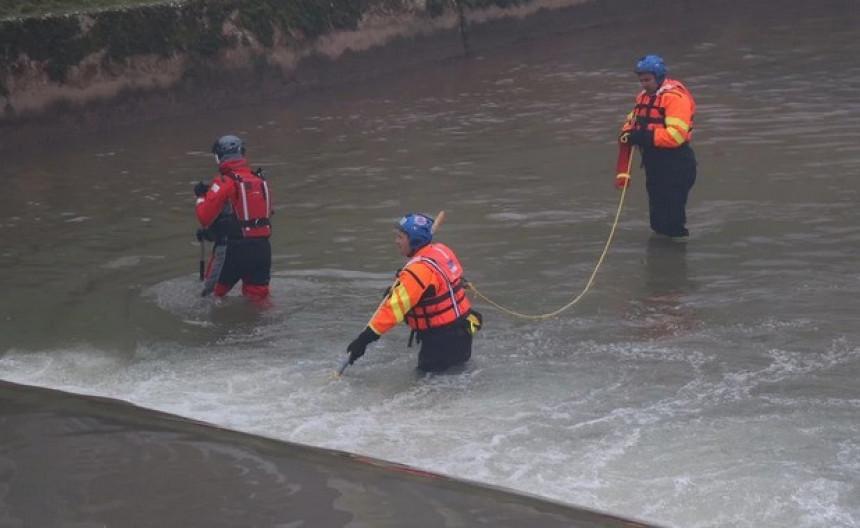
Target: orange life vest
x=428, y=293
x=444, y=301
x=668, y=113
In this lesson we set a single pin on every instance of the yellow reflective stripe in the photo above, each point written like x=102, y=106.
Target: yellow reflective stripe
x=399, y=301
x=677, y=136
x=677, y=123
x=631, y=120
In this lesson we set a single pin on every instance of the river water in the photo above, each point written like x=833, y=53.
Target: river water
x=702, y=385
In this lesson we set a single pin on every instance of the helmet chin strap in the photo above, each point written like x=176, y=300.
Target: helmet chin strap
x=217, y=161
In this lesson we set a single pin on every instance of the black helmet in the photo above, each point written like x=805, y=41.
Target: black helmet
x=228, y=147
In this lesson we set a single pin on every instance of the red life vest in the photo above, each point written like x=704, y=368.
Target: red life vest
x=251, y=203
x=445, y=299
x=237, y=204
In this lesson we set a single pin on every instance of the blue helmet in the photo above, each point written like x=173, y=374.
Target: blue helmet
x=228, y=147
x=652, y=64
x=419, y=229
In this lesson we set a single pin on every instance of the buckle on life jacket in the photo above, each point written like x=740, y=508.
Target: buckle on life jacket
x=474, y=321
x=257, y=222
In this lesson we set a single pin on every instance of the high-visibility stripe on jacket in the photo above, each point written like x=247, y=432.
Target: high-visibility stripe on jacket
x=241, y=194
x=428, y=293
x=668, y=112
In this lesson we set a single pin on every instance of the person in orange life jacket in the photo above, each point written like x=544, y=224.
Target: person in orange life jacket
x=234, y=211
x=430, y=296
x=661, y=125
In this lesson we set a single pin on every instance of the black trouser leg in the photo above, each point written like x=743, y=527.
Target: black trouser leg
x=667, y=200
x=443, y=348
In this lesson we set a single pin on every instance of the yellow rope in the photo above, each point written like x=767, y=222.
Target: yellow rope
x=472, y=286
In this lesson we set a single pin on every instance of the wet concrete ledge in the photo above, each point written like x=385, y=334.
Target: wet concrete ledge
x=71, y=460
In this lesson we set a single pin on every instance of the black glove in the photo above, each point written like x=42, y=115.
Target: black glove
x=643, y=138
x=200, y=189
x=204, y=234
x=359, y=344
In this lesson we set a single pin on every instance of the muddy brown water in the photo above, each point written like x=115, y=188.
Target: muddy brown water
x=705, y=385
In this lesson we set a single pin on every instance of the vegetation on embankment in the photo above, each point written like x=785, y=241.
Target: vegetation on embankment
x=90, y=43
x=192, y=27
x=35, y=8
x=78, y=59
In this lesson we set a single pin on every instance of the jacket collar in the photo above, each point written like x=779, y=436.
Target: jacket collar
x=233, y=165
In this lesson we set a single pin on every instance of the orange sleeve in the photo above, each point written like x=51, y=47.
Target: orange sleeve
x=411, y=283
x=628, y=123
x=679, y=120
x=625, y=150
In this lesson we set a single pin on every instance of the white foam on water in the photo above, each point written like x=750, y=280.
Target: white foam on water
x=663, y=429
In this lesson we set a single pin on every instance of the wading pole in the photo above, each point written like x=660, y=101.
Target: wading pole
x=342, y=367
x=436, y=222
x=202, y=258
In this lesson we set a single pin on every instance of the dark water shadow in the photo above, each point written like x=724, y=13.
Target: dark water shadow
x=68, y=460
x=667, y=280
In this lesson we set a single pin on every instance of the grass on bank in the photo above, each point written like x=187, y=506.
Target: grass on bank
x=35, y=8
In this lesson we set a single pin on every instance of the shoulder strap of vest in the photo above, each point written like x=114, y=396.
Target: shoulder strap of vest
x=643, y=112
x=414, y=276
x=259, y=174
x=439, y=270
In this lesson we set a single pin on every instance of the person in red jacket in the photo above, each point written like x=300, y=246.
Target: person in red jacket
x=430, y=296
x=235, y=211
x=661, y=125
